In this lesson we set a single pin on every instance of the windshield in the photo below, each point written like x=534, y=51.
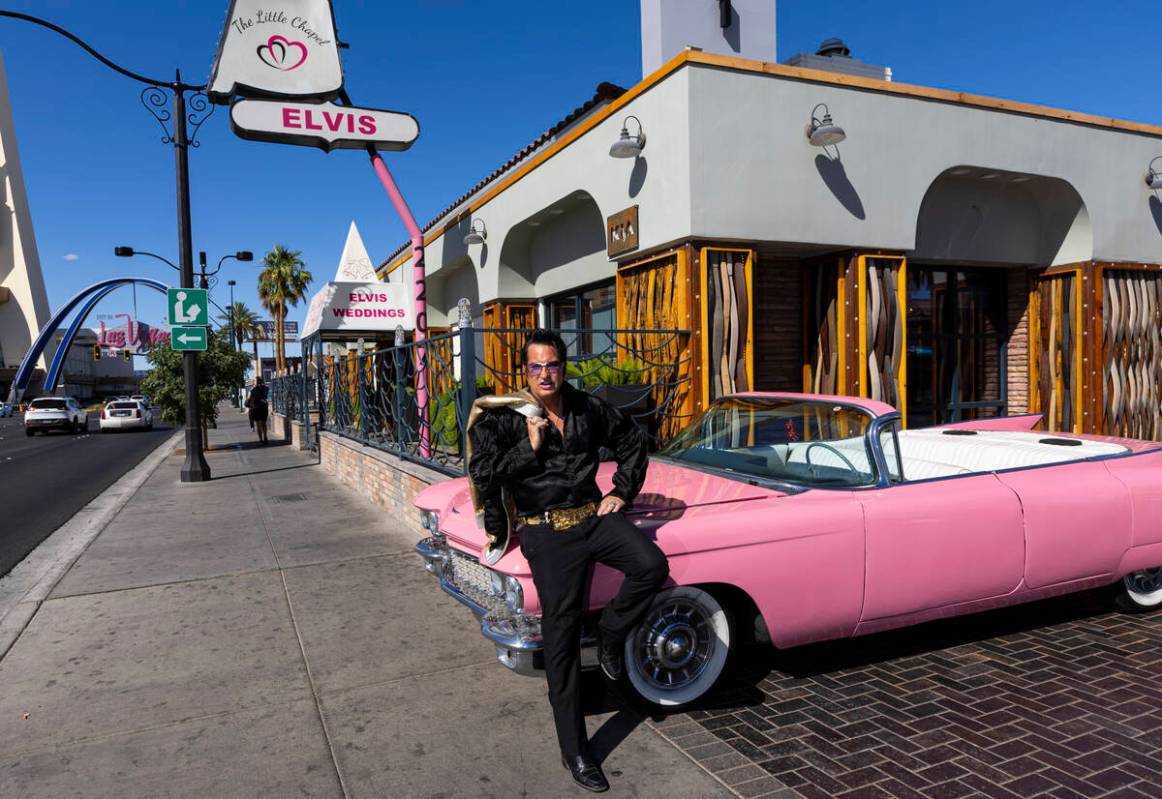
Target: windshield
x=48, y=405
x=807, y=442
x=124, y=405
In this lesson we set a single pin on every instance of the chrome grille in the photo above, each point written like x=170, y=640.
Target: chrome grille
x=474, y=580
x=468, y=573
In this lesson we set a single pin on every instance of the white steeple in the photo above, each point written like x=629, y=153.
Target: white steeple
x=354, y=264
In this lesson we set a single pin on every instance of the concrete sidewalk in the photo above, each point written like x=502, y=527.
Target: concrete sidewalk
x=269, y=633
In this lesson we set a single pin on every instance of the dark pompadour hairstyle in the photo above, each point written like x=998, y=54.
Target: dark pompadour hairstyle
x=542, y=336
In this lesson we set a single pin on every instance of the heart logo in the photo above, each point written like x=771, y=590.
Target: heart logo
x=278, y=53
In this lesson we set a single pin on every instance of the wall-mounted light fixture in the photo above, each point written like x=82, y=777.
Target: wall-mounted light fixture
x=628, y=146
x=476, y=235
x=822, y=132
x=1153, y=177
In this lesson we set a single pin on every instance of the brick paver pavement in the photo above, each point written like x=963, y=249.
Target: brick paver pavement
x=1059, y=699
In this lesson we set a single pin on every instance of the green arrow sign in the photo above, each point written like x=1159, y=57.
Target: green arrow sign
x=189, y=307
x=188, y=338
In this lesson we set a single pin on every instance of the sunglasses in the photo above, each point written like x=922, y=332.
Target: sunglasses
x=552, y=368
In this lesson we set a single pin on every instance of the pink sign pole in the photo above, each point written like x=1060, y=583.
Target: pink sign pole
x=417, y=236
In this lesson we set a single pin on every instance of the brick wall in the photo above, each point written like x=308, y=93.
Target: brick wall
x=382, y=478
x=1018, y=344
x=778, y=325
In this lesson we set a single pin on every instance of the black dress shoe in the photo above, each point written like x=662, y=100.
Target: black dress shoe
x=586, y=773
x=609, y=656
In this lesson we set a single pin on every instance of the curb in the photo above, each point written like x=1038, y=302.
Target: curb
x=24, y=589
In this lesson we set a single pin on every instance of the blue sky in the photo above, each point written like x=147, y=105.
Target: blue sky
x=483, y=77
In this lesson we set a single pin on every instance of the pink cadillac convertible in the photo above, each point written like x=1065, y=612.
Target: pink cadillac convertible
x=810, y=517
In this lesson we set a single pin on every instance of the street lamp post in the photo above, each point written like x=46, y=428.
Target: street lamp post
x=233, y=331
x=188, y=358
x=195, y=469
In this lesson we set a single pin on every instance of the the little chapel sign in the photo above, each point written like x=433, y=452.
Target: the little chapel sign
x=621, y=232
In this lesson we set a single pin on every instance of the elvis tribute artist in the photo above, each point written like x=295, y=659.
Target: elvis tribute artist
x=548, y=465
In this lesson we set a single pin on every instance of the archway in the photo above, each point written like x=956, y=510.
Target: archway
x=90, y=297
x=980, y=234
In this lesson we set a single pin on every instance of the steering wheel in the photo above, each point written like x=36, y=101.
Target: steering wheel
x=831, y=449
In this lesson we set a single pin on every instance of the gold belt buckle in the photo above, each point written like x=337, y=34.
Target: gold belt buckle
x=563, y=518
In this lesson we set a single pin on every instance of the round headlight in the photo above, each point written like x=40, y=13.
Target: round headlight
x=430, y=520
x=514, y=595
x=497, y=584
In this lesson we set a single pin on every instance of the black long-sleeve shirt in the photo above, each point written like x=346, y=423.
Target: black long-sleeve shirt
x=562, y=473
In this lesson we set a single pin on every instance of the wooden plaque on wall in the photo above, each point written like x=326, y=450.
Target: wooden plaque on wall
x=621, y=232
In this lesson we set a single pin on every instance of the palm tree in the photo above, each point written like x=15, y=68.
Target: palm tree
x=282, y=282
x=246, y=326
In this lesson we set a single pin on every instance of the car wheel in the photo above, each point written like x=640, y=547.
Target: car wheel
x=1141, y=591
x=679, y=650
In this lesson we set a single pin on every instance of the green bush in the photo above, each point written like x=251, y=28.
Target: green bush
x=594, y=372
x=220, y=369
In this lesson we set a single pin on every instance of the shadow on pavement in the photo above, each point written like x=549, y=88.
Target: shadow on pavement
x=254, y=472
x=753, y=663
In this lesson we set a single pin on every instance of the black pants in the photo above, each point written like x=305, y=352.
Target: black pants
x=560, y=562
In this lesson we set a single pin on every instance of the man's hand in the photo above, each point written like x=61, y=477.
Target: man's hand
x=610, y=504
x=537, y=426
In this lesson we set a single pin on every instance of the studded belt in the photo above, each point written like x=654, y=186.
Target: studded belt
x=563, y=518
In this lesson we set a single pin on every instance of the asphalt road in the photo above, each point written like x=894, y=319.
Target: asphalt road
x=45, y=479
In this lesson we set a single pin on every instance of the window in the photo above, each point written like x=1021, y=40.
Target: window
x=812, y=443
x=956, y=344
x=590, y=309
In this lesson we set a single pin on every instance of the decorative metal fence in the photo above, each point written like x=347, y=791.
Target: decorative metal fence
x=375, y=397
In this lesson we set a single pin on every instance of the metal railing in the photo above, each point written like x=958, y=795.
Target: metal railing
x=373, y=398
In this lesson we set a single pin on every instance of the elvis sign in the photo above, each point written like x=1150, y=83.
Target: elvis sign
x=277, y=48
x=323, y=125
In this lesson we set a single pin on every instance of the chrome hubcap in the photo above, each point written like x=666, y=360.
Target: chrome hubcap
x=1146, y=581
x=674, y=644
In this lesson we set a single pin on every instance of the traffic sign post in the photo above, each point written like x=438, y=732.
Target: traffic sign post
x=188, y=307
x=189, y=339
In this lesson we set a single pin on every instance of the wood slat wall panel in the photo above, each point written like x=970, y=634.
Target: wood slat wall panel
x=779, y=301
x=655, y=295
x=1132, y=348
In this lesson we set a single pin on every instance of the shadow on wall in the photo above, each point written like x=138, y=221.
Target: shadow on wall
x=446, y=287
x=1156, y=211
x=731, y=33
x=637, y=178
x=835, y=178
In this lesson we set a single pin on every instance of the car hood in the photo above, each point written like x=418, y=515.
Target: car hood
x=670, y=492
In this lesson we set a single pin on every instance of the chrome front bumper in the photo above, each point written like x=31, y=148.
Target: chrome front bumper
x=517, y=638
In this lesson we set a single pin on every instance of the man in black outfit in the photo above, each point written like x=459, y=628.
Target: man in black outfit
x=549, y=464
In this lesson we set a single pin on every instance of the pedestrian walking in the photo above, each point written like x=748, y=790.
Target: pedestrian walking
x=547, y=464
x=258, y=407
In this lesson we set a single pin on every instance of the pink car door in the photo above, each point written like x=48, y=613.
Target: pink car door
x=1078, y=521
x=941, y=542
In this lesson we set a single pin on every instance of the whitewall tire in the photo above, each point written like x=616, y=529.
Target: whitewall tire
x=1141, y=590
x=679, y=650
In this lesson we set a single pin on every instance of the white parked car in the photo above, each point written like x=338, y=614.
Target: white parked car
x=126, y=415
x=55, y=413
